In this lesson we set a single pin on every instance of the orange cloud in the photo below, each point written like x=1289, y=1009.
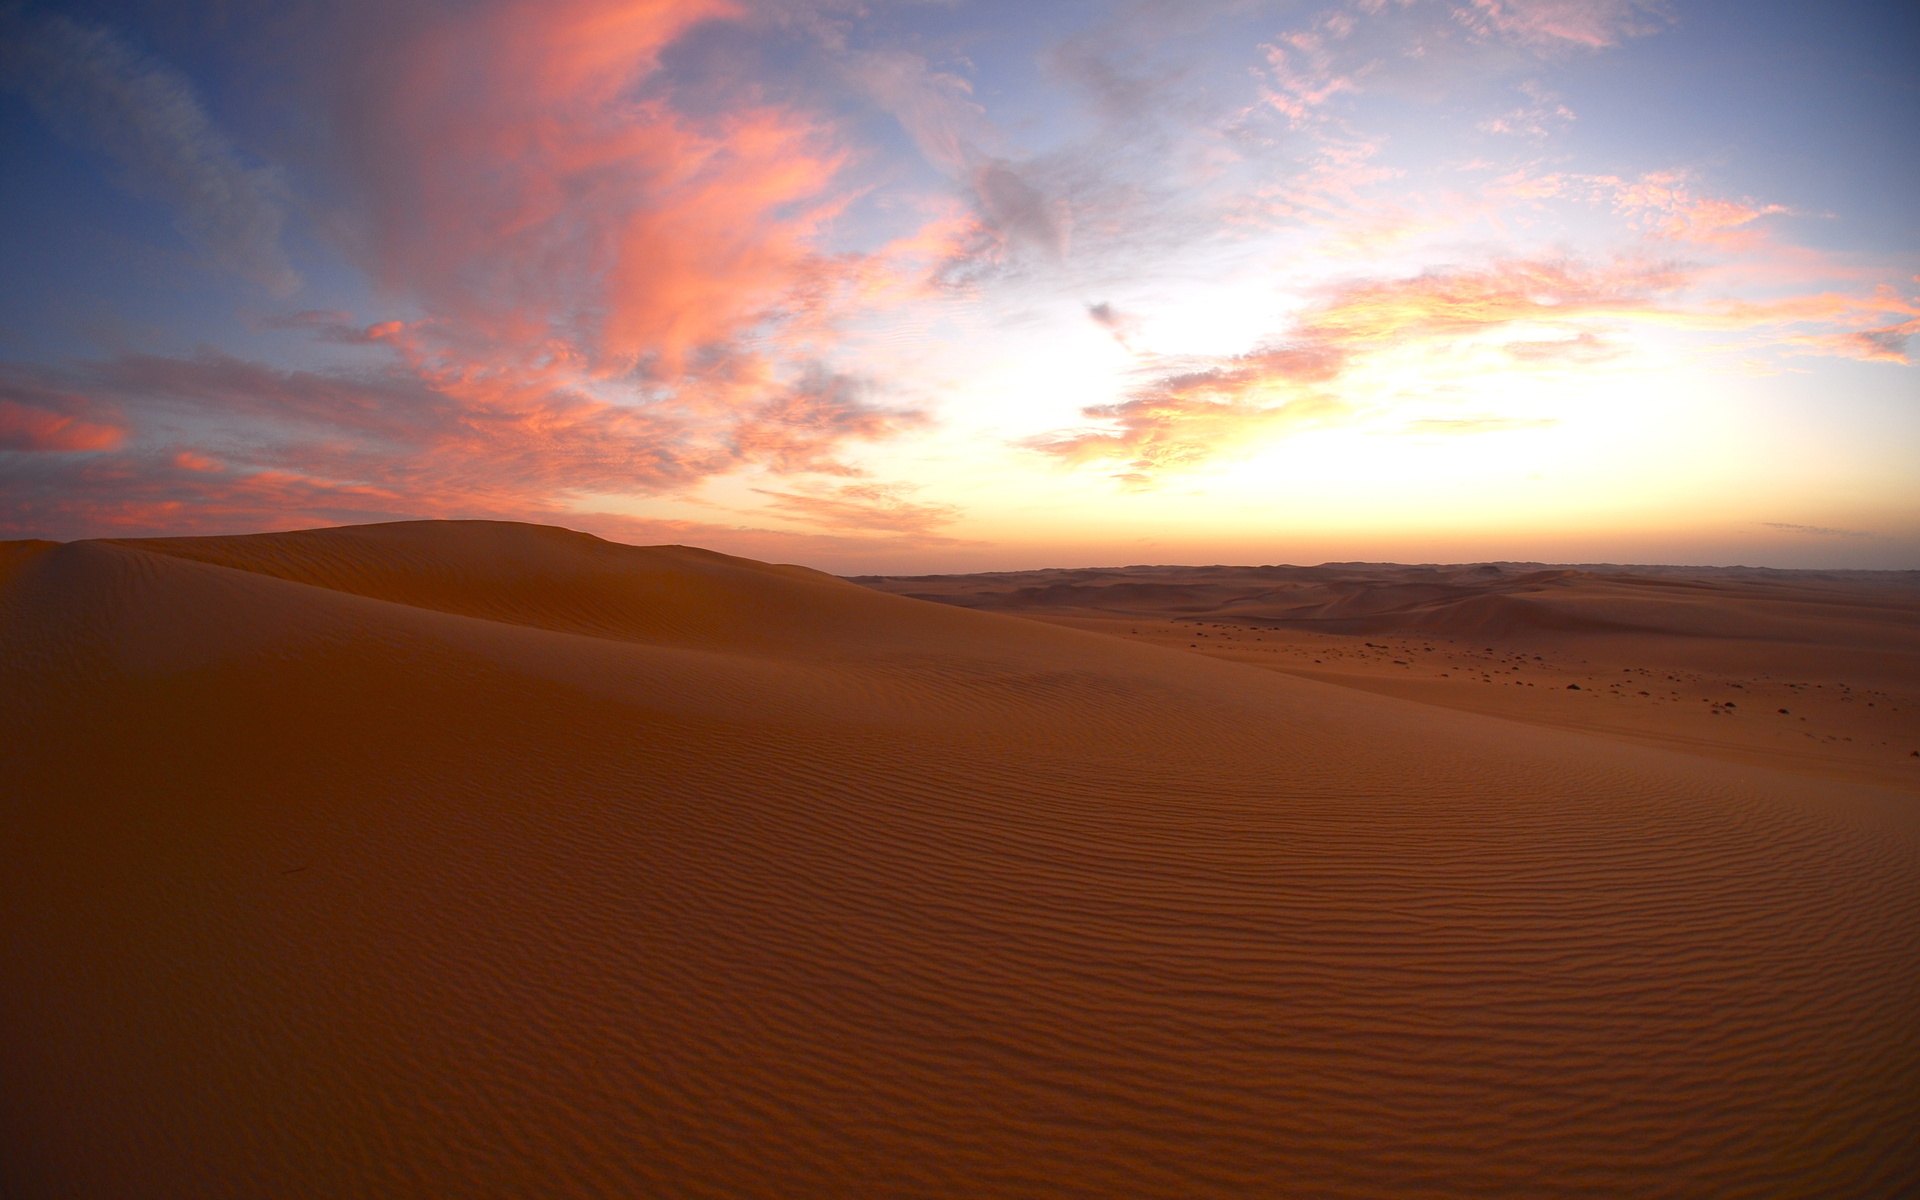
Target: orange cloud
x=1452, y=303
x=1188, y=418
x=1212, y=409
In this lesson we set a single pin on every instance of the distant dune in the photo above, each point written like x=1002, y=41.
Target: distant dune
x=466, y=859
x=1874, y=608
x=1820, y=668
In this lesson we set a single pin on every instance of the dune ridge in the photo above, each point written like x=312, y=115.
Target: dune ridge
x=469, y=859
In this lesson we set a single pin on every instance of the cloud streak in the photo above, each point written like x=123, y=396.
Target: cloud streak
x=40, y=429
x=1557, y=24
x=94, y=89
x=1815, y=530
x=864, y=507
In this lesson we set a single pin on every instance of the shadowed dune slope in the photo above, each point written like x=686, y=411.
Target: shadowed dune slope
x=473, y=859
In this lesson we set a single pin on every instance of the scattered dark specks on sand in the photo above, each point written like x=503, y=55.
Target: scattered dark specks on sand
x=1573, y=687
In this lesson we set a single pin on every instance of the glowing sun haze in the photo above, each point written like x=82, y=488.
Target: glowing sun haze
x=923, y=286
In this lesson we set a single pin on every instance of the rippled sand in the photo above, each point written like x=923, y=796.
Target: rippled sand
x=474, y=859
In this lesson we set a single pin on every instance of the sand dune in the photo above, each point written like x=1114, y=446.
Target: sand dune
x=1816, y=671
x=1880, y=609
x=474, y=859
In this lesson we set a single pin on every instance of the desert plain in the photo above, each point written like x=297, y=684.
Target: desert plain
x=464, y=859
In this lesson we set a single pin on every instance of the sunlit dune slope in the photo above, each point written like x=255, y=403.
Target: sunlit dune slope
x=1816, y=672
x=472, y=859
x=1878, y=609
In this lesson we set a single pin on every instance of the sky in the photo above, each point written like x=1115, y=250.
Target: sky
x=918, y=287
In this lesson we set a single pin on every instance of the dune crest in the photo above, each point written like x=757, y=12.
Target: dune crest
x=469, y=859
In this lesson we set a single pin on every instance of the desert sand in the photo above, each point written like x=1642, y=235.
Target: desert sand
x=478, y=859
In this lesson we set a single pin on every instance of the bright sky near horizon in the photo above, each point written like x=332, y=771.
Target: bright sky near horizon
x=931, y=286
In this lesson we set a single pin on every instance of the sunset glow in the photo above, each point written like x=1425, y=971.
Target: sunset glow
x=917, y=287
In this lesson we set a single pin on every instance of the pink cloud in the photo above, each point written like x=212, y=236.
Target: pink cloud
x=1303, y=77
x=40, y=420
x=520, y=171
x=231, y=437
x=1536, y=120
x=1592, y=24
x=1661, y=204
x=607, y=291
x=512, y=173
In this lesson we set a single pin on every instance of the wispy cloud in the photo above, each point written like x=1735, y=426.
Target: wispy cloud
x=880, y=507
x=1886, y=344
x=1543, y=115
x=1588, y=24
x=1663, y=204
x=1815, y=530
x=805, y=426
x=88, y=84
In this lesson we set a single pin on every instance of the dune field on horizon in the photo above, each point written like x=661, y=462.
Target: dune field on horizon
x=475, y=859
x=1818, y=672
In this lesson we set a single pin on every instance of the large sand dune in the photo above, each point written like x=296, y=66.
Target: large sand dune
x=474, y=859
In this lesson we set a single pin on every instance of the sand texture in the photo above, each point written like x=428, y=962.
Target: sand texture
x=481, y=860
